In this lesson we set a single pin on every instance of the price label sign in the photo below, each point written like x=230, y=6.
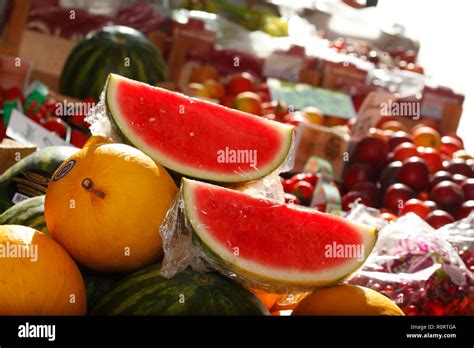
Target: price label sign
x=24, y=130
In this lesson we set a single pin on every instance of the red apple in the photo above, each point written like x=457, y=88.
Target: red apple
x=439, y=218
x=414, y=173
x=239, y=83
x=448, y=195
x=442, y=175
x=398, y=138
x=431, y=204
x=352, y=196
x=388, y=176
x=460, y=166
x=304, y=190
x=248, y=102
x=468, y=189
x=459, y=179
x=369, y=188
x=215, y=88
x=371, y=150
x=358, y=172
x=415, y=206
x=404, y=151
x=396, y=195
x=394, y=126
x=450, y=145
x=432, y=158
x=464, y=210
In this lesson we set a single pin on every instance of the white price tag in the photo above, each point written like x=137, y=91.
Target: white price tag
x=284, y=67
x=25, y=130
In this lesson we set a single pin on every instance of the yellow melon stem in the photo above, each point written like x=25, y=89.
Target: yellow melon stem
x=89, y=186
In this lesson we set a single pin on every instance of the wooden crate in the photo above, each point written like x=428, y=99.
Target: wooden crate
x=15, y=26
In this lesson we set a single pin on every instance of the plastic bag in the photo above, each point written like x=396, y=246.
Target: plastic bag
x=461, y=235
x=418, y=269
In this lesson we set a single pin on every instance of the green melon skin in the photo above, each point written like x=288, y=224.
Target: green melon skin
x=112, y=49
x=98, y=284
x=29, y=212
x=187, y=293
x=46, y=161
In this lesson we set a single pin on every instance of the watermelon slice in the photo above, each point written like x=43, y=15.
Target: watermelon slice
x=274, y=244
x=193, y=137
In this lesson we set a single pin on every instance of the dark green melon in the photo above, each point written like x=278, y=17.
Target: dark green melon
x=29, y=212
x=97, y=285
x=112, y=49
x=187, y=293
x=30, y=176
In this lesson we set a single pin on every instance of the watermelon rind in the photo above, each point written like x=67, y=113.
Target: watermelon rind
x=29, y=212
x=146, y=292
x=126, y=132
x=279, y=280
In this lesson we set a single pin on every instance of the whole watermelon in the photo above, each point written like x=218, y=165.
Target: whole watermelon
x=30, y=176
x=112, y=49
x=187, y=293
x=29, y=212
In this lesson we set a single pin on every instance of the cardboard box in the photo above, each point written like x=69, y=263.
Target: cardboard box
x=47, y=54
x=327, y=143
x=12, y=151
x=14, y=72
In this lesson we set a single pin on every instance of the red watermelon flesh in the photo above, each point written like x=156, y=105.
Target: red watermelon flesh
x=196, y=138
x=278, y=243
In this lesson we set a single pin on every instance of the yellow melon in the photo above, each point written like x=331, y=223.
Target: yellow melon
x=346, y=300
x=37, y=276
x=105, y=205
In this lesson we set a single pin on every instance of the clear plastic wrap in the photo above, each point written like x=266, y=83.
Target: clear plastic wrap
x=418, y=269
x=461, y=235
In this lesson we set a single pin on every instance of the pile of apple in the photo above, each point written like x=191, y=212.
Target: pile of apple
x=299, y=188
x=243, y=91
x=417, y=170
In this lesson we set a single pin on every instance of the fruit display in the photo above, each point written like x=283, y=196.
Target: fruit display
x=113, y=49
x=35, y=262
x=200, y=158
x=417, y=174
x=237, y=147
x=146, y=292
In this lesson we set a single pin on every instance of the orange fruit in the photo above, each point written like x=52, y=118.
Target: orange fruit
x=268, y=299
x=42, y=279
x=105, y=205
x=346, y=300
x=427, y=137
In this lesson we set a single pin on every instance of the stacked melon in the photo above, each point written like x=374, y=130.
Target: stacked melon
x=106, y=203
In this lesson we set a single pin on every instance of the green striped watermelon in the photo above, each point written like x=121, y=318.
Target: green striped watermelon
x=187, y=293
x=97, y=285
x=30, y=176
x=112, y=49
x=29, y=212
